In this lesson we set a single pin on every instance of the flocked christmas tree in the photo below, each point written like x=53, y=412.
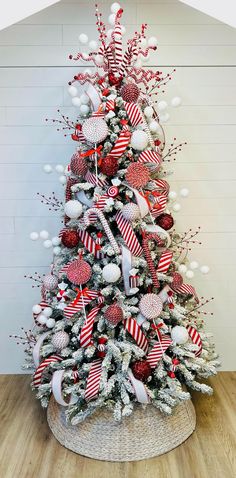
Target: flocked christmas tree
x=117, y=324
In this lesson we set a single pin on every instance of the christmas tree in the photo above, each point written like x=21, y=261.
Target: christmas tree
x=116, y=323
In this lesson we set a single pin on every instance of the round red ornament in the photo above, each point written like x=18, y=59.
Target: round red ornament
x=130, y=92
x=79, y=272
x=114, y=80
x=70, y=238
x=141, y=370
x=114, y=314
x=78, y=165
x=137, y=175
x=165, y=221
x=177, y=280
x=109, y=166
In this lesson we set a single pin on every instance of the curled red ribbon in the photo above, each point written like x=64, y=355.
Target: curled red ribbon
x=84, y=293
x=92, y=151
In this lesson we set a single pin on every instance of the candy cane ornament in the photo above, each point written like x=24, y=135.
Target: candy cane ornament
x=105, y=225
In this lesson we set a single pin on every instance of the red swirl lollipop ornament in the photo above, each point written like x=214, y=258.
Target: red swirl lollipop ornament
x=79, y=272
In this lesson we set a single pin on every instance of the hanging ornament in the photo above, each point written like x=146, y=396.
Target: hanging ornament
x=73, y=209
x=114, y=314
x=179, y=335
x=50, y=282
x=130, y=92
x=70, y=238
x=139, y=140
x=150, y=306
x=141, y=370
x=60, y=340
x=177, y=280
x=131, y=212
x=137, y=175
x=79, y=272
x=95, y=129
x=78, y=165
x=111, y=273
x=165, y=221
x=109, y=166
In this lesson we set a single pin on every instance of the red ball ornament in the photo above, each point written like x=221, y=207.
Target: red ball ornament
x=70, y=238
x=165, y=221
x=109, y=166
x=78, y=165
x=114, y=314
x=130, y=92
x=79, y=272
x=141, y=370
x=114, y=80
x=137, y=175
x=177, y=280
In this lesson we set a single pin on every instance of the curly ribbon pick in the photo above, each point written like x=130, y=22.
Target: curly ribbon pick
x=139, y=388
x=105, y=225
x=56, y=384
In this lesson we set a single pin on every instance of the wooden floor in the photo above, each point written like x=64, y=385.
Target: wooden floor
x=28, y=450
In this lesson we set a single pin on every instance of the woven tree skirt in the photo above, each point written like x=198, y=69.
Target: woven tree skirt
x=144, y=434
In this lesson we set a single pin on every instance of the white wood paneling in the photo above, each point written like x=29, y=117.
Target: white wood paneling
x=34, y=73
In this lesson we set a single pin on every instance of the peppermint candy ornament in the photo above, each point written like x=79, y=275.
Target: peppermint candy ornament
x=114, y=314
x=131, y=212
x=50, y=282
x=60, y=340
x=79, y=272
x=150, y=306
x=95, y=129
x=137, y=175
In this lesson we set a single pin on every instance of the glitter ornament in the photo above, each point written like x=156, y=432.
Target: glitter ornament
x=131, y=212
x=60, y=340
x=73, y=209
x=114, y=314
x=95, y=130
x=165, y=221
x=177, y=280
x=109, y=166
x=139, y=140
x=150, y=306
x=79, y=272
x=179, y=335
x=111, y=273
x=78, y=165
x=130, y=92
x=137, y=175
x=50, y=282
x=141, y=370
x=70, y=238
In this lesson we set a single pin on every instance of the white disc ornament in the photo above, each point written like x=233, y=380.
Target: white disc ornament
x=95, y=130
x=50, y=282
x=111, y=273
x=139, y=140
x=131, y=212
x=179, y=335
x=150, y=306
x=73, y=209
x=60, y=340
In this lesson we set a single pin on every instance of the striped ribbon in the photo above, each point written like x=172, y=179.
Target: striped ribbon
x=42, y=366
x=42, y=304
x=121, y=143
x=158, y=350
x=110, y=105
x=64, y=269
x=158, y=206
x=128, y=235
x=136, y=332
x=91, y=178
x=134, y=113
x=162, y=185
x=77, y=305
x=164, y=261
x=93, y=381
x=90, y=244
x=70, y=182
x=86, y=331
x=196, y=339
x=151, y=158
x=185, y=289
x=88, y=220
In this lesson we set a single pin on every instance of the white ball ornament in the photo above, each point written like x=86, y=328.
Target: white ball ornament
x=60, y=340
x=47, y=244
x=99, y=59
x=84, y=99
x=112, y=19
x=164, y=118
x=182, y=268
x=176, y=101
x=44, y=234
x=47, y=311
x=115, y=7
x=93, y=45
x=184, y=192
x=172, y=194
x=56, y=241
x=50, y=323
x=152, y=41
x=34, y=236
x=154, y=126
x=72, y=90
x=139, y=140
x=62, y=179
x=47, y=168
x=189, y=274
x=194, y=265
x=59, y=168
x=73, y=209
x=148, y=111
x=84, y=109
x=111, y=273
x=162, y=105
x=56, y=250
x=76, y=101
x=179, y=335
x=176, y=207
x=36, y=309
x=204, y=269
x=83, y=38
x=131, y=212
x=42, y=319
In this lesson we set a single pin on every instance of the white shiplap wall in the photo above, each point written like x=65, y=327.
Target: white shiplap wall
x=34, y=72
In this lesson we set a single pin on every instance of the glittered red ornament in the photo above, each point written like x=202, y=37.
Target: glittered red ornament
x=109, y=166
x=141, y=370
x=114, y=80
x=137, y=175
x=130, y=92
x=114, y=314
x=70, y=238
x=165, y=221
x=79, y=272
x=177, y=280
x=78, y=165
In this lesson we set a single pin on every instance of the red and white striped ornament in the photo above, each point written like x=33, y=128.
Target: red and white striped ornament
x=151, y=158
x=90, y=244
x=158, y=350
x=97, y=212
x=134, y=113
x=128, y=235
x=136, y=332
x=164, y=261
x=196, y=339
x=121, y=143
x=93, y=381
x=145, y=243
x=87, y=328
x=37, y=378
x=95, y=181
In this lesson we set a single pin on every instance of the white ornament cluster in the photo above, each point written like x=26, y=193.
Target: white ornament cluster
x=59, y=168
x=47, y=242
x=44, y=316
x=162, y=106
x=173, y=204
x=82, y=102
x=194, y=265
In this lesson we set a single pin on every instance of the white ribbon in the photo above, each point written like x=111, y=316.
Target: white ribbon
x=163, y=294
x=126, y=263
x=93, y=95
x=56, y=383
x=36, y=349
x=139, y=388
x=141, y=201
x=83, y=199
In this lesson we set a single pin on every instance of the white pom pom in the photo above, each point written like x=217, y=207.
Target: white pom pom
x=59, y=168
x=109, y=34
x=76, y=101
x=164, y=118
x=162, y=105
x=148, y=111
x=56, y=241
x=111, y=273
x=47, y=244
x=189, y=274
x=139, y=140
x=62, y=179
x=56, y=250
x=184, y=192
x=34, y=236
x=172, y=195
x=47, y=311
x=154, y=126
x=83, y=38
x=36, y=309
x=143, y=42
x=182, y=268
x=204, y=269
x=93, y=45
x=194, y=265
x=176, y=207
x=115, y=7
x=84, y=99
x=72, y=90
x=42, y=319
x=112, y=19
x=44, y=234
x=47, y=168
x=84, y=110
x=152, y=41
x=50, y=323
x=176, y=101
x=73, y=209
x=179, y=334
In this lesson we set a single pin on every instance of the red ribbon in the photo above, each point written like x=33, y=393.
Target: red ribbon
x=92, y=151
x=175, y=362
x=156, y=328
x=84, y=293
